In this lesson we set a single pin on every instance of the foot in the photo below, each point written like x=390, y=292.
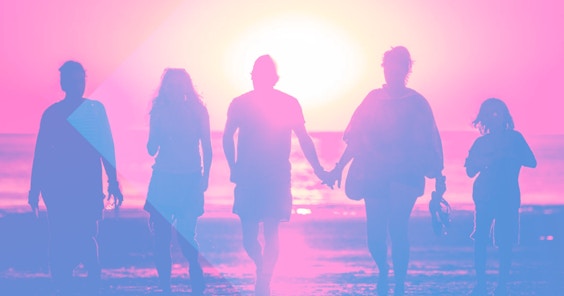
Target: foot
x=164, y=286
x=479, y=290
x=197, y=279
x=262, y=286
x=399, y=289
x=382, y=285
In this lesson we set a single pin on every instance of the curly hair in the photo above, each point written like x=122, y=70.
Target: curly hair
x=490, y=109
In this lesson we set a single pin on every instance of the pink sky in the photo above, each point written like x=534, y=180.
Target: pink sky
x=328, y=53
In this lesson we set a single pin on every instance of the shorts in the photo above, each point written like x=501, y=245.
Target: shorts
x=263, y=199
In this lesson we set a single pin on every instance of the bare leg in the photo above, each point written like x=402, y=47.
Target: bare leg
x=270, y=256
x=376, y=226
x=251, y=243
x=400, y=211
x=186, y=230
x=482, y=224
x=162, y=237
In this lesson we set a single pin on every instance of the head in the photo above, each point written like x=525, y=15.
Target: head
x=397, y=66
x=493, y=116
x=73, y=78
x=264, y=73
x=176, y=86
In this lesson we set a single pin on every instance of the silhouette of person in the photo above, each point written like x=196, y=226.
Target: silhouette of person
x=260, y=167
x=496, y=157
x=179, y=126
x=74, y=140
x=395, y=143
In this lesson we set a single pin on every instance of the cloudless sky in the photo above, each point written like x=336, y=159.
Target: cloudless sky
x=328, y=55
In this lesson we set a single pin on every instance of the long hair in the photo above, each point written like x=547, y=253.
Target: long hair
x=493, y=109
x=176, y=89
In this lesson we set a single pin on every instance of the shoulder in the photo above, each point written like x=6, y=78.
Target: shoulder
x=53, y=108
x=417, y=97
x=479, y=141
x=285, y=97
x=516, y=136
x=202, y=110
x=242, y=98
x=94, y=104
x=377, y=93
x=374, y=96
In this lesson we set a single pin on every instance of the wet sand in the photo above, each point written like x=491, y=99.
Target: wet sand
x=323, y=253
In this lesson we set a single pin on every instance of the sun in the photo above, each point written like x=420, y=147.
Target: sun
x=316, y=61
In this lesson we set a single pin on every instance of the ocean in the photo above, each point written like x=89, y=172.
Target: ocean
x=540, y=186
x=322, y=250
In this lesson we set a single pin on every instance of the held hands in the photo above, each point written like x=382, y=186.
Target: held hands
x=115, y=192
x=329, y=178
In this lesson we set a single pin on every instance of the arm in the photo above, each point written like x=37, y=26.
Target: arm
x=38, y=167
x=205, y=141
x=152, y=143
x=229, y=145
x=471, y=170
x=306, y=143
x=109, y=159
x=473, y=164
x=528, y=158
x=337, y=172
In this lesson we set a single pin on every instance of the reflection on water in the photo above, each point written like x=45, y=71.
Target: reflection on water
x=540, y=186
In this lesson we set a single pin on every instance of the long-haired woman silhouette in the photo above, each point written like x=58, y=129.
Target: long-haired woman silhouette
x=179, y=126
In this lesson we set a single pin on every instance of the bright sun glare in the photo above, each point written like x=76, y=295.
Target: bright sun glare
x=316, y=62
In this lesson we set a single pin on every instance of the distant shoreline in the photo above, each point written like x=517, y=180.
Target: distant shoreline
x=323, y=212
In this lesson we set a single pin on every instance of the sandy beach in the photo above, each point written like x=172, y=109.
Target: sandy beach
x=323, y=253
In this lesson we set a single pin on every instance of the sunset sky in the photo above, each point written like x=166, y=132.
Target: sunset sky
x=328, y=55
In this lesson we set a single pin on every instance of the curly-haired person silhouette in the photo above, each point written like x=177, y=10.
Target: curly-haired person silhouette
x=496, y=157
x=179, y=127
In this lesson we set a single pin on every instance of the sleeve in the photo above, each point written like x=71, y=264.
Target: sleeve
x=426, y=137
x=437, y=163
x=354, y=132
x=470, y=160
x=525, y=154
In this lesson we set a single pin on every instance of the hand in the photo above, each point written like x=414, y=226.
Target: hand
x=325, y=177
x=115, y=192
x=151, y=223
x=337, y=175
x=33, y=201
